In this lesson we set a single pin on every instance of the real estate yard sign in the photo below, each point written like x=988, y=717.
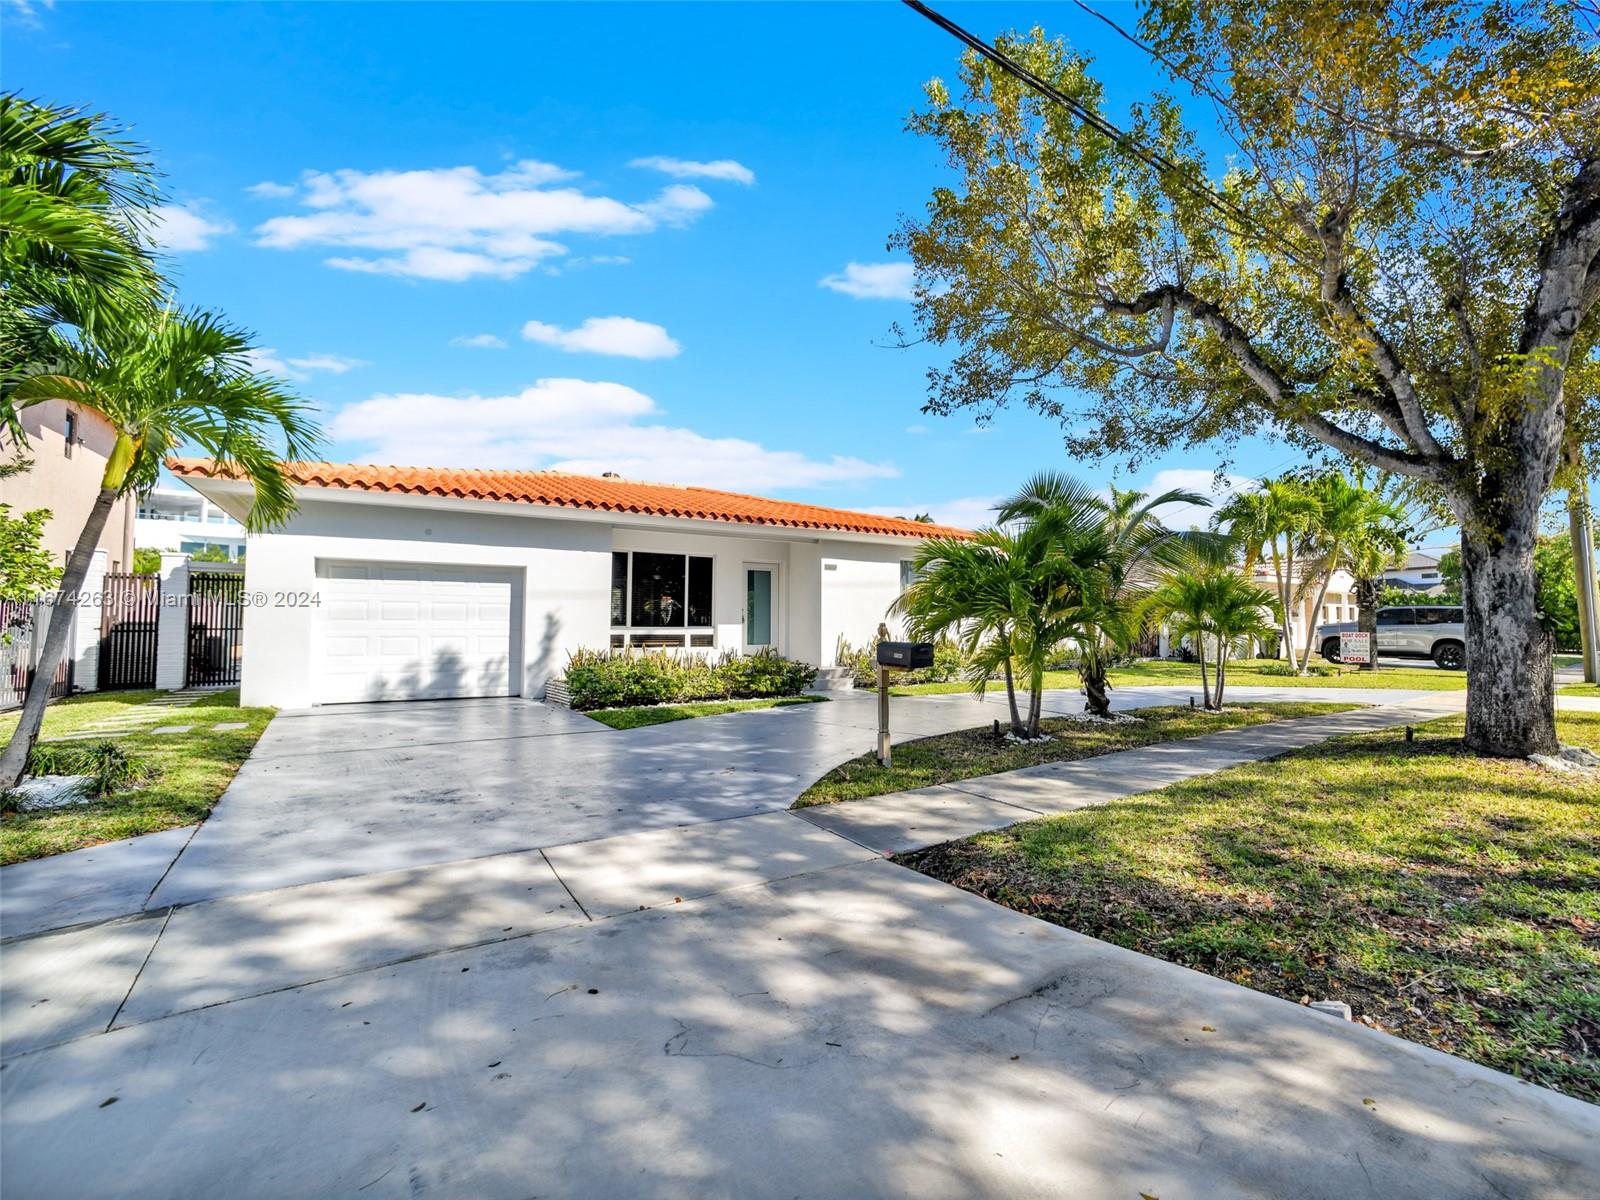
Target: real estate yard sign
x=1355, y=647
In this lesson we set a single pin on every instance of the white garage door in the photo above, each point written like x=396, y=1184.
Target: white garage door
x=410, y=631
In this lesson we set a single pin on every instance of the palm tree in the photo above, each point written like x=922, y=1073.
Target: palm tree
x=75, y=198
x=1207, y=601
x=1000, y=595
x=1112, y=556
x=160, y=381
x=1274, y=516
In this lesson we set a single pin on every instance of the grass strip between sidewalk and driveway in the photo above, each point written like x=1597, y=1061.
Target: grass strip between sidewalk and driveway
x=1243, y=672
x=660, y=714
x=969, y=753
x=1448, y=898
x=188, y=771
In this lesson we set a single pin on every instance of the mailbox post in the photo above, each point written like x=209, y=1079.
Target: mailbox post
x=896, y=656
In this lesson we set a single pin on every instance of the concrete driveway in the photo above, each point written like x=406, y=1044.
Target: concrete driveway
x=707, y=997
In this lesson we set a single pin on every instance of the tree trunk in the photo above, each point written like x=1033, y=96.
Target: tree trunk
x=1288, y=598
x=1367, y=617
x=1035, y=699
x=1096, y=688
x=14, y=762
x=1582, y=533
x=1011, y=698
x=1510, y=674
x=1285, y=617
x=1205, y=682
x=1316, y=608
x=1222, y=670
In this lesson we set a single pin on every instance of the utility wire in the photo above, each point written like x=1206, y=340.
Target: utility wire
x=1123, y=139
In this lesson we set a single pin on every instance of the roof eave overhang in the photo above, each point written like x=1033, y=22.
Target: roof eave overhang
x=233, y=496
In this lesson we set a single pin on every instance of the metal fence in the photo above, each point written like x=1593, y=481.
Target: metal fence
x=22, y=634
x=130, y=614
x=216, y=628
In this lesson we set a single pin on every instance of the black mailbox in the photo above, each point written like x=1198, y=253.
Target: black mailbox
x=908, y=656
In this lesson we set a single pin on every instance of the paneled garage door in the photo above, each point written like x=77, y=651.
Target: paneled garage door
x=411, y=631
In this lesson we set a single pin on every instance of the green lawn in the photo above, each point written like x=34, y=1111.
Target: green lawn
x=1245, y=672
x=1450, y=899
x=659, y=714
x=971, y=752
x=189, y=771
x=1580, y=689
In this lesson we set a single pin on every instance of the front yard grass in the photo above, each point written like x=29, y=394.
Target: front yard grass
x=1450, y=899
x=1580, y=689
x=189, y=772
x=1244, y=672
x=969, y=753
x=658, y=714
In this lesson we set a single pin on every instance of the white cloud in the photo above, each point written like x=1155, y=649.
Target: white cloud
x=916, y=430
x=872, y=281
x=268, y=190
x=684, y=168
x=268, y=361
x=179, y=229
x=620, y=336
x=458, y=223
x=479, y=341
x=334, y=364
x=964, y=512
x=1186, y=516
x=580, y=426
x=24, y=13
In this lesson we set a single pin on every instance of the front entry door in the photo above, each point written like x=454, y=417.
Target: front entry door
x=760, y=607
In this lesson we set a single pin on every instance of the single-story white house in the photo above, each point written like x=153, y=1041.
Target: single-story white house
x=397, y=583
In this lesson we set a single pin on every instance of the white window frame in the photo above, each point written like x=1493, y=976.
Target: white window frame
x=636, y=637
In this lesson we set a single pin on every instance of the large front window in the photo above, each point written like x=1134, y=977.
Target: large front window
x=656, y=592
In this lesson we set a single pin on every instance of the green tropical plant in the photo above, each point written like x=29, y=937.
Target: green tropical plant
x=1213, y=604
x=75, y=200
x=27, y=569
x=162, y=381
x=1114, y=553
x=999, y=595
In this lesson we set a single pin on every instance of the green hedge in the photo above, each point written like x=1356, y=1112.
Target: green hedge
x=622, y=679
x=949, y=664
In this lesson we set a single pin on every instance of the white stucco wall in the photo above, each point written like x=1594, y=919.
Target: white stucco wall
x=859, y=583
x=566, y=569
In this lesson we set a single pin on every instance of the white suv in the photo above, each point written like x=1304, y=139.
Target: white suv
x=1436, y=631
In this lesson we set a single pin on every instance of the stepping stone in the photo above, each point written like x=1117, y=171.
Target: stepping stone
x=174, y=729
x=228, y=726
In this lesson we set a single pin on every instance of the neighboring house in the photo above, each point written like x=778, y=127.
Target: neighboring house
x=416, y=582
x=178, y=520
x=69, y=447
x=1419, y=573
x=1339, y=604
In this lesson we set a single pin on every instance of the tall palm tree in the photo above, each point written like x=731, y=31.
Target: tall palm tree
x=1113, y=555
x=1211, y=602
x=1274, y=517
x=75, y=197
x=160, y=381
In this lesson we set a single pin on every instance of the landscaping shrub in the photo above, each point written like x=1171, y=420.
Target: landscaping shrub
x=108, y=764
x=620, y=678
x=949, y=664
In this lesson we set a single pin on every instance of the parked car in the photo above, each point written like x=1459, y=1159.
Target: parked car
x=1436, y=631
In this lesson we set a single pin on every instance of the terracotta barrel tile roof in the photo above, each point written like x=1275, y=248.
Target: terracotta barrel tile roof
x=555, y=489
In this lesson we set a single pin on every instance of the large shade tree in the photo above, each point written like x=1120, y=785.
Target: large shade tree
x=1399, y=264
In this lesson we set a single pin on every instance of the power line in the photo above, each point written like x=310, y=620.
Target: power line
x=1125, y=140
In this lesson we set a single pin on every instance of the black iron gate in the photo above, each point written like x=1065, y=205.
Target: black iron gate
x=130, y=609
x=216, y=628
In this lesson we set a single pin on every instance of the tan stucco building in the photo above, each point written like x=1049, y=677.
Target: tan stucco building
x=69, y=447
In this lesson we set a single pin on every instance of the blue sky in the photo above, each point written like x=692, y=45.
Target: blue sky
x=645, y=216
